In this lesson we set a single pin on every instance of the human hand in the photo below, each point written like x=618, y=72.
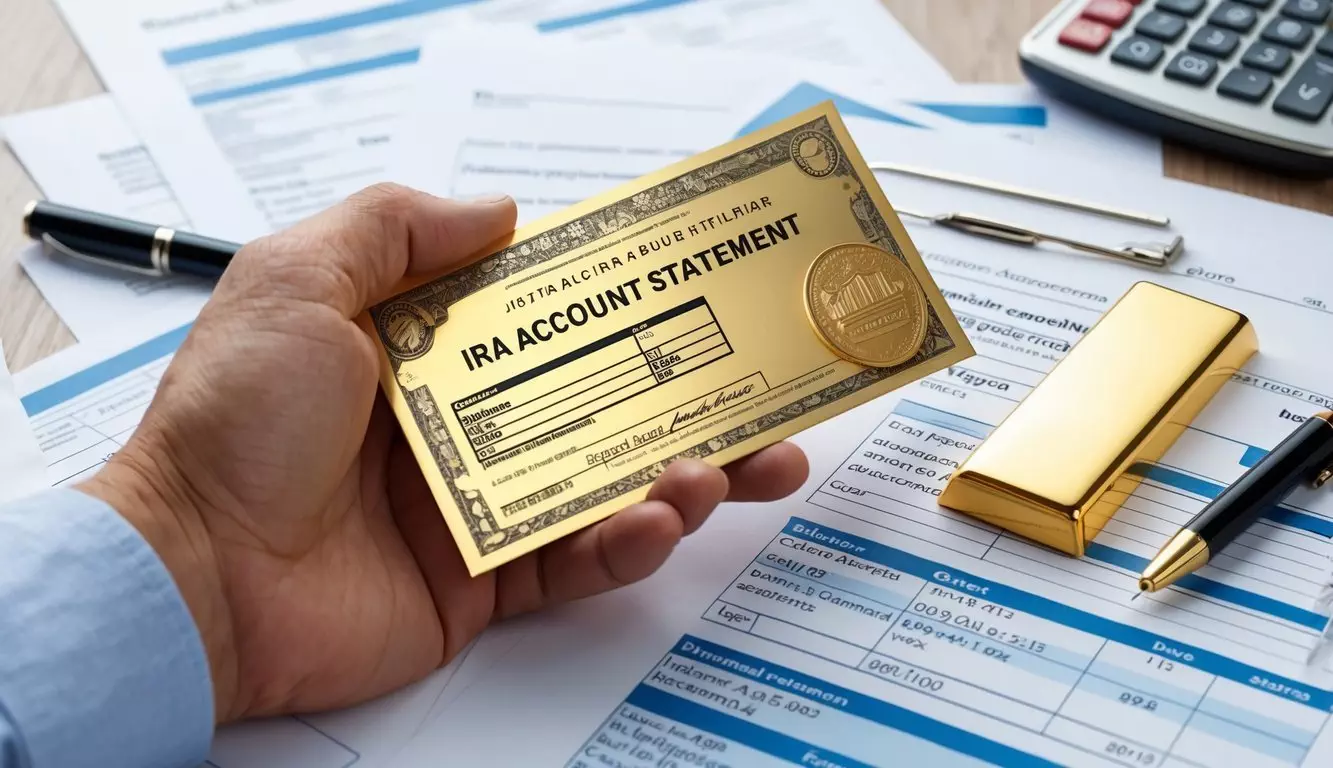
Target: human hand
x=273, y=481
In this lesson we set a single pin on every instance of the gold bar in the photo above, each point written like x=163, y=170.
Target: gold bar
x=1056, y=469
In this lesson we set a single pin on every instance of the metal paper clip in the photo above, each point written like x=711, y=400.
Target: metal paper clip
x=1061, y=201
x=1156, y=255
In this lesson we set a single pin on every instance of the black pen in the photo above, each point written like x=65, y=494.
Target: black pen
x=1305, y=456
x=131, y=245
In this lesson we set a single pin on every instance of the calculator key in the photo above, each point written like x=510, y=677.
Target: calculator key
x=1259, y=3
x=1192, y=68
x=1246, y=85
x=1161, y=26
x=1085, y=35
x=1314, y=11
x=1112, y=13
x=1215, y=42
x=1234, y=16
x=1268, y=57
x=1187, y=8
x=1325, y=44
x=1308, y=94
x=1138, y=52
x=1288, y=32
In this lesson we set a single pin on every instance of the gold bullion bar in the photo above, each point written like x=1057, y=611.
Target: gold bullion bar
x=544, y=386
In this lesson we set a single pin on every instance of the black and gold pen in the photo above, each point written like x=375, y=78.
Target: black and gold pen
x=1304, y=457
x=130, y=245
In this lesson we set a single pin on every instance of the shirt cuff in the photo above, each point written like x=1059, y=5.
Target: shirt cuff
x=101, y=662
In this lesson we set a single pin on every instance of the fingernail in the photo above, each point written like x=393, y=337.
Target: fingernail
x=488, y=198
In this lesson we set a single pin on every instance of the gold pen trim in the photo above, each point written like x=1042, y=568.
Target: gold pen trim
x=1185, y=553
x=1323, y=477
x=27, y=214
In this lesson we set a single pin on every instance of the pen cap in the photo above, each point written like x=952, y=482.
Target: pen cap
x=1058, y=467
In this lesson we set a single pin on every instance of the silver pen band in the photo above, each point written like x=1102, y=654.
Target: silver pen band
x=160, y=254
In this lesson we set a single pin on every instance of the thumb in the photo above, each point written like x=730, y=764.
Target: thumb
x=354, y=254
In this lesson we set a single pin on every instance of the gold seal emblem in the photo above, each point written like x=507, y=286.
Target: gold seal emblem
x=408, y=331
x=866, y=305
x=815, y=154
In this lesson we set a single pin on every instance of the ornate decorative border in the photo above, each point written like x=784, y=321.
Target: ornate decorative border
x=435, y=297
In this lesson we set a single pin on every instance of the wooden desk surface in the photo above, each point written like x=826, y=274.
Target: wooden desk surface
x=42, y=65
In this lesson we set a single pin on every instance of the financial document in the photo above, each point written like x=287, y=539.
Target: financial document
x=1019, y=112
x=260, y=114
x=86, y=155
x=553, y=138
x=862, y=624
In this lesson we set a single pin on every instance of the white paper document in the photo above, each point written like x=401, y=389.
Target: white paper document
x=260, y=114
x=86, y=155
x=859, y=623
x=552, y=137
x=22, y=468
x=1020, y=112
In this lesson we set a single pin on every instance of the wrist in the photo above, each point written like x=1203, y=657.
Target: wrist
x=140, y=491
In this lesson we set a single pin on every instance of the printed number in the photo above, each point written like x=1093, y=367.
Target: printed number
x=801, y=708
x=782, y=702
x=1135, y=700
x=1163, y=664
x=1140, y=756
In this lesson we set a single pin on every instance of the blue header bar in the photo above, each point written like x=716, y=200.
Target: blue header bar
x=1028, y=115
x=113, y=368
x=1253, y=455
x=398, y=59
x=807, y=95
x=1036, y=605
x=853, y=703
x=937, y=418
x=292, y=32
x=592, y=17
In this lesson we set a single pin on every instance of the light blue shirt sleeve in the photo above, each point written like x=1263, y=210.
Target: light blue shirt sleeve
x=101, y=663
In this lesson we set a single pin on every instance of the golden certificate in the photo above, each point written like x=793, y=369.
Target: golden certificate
x=707, y=310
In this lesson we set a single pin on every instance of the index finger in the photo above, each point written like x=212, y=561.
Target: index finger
x=356, y=253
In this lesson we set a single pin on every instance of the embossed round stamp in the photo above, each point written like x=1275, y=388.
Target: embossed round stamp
x=815, y=153
x=408, y=331
x=866, y=305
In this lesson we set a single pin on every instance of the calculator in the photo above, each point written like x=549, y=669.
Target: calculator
x=1248, y=78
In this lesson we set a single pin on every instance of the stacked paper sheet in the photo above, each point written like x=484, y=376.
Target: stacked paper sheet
x=919, y=633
